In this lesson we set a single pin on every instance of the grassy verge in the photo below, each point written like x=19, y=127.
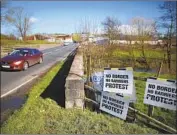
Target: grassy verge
x=18, y=42
x=44, y=116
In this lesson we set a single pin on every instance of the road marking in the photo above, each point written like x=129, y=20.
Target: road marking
x=19, y=86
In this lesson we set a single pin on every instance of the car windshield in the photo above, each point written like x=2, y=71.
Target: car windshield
x=19, y=52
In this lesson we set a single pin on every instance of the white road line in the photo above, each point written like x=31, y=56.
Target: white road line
x=19, y=86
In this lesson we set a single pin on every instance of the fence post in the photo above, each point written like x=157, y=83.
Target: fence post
x=88, y=68
x=150, y=107
x=108, y=63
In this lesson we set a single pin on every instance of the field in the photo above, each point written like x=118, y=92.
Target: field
x=123, y=56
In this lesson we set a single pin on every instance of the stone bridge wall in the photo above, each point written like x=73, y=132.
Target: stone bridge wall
x=74, y=86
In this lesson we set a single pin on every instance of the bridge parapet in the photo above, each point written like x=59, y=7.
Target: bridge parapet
x=74, y=86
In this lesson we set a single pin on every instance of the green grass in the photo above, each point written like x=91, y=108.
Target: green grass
x=44, y=116
x=115, y=56
x=149, y=53
x=8, y=45
x=18, y=42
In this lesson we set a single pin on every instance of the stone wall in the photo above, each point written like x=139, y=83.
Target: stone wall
x=74, y=86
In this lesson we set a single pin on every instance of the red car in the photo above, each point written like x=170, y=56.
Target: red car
x=21, y=59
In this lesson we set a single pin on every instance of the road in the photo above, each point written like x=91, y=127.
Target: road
x=12, y=80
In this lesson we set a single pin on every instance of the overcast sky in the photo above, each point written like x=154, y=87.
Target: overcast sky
x=65, y=17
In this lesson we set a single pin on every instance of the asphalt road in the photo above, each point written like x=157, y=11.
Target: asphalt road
x=12, y=80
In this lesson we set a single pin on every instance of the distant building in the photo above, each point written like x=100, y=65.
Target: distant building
x=20, y=38
x=50, y=39
x=151, y=42
x=32, y=37
x=62, y=38
x=91, y=38
x=58, y=38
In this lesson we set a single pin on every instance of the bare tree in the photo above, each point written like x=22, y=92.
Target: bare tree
x=18, y=18
x=129, y=33
x=168, y=21
x=4, y=8
x=146, y=30
x=88, y=27
x=111, y=28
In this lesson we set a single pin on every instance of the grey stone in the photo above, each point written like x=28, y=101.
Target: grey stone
x=79, y=103
x=74, y=86
x=74, y=94
x=69, y=104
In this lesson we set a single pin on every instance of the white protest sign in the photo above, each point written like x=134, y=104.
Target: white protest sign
x=132, y=97
x=118, y=81
x=113, y=104
x=161, y=93
x=97, y=80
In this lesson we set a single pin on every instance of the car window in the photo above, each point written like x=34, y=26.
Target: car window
x=25, y=52
x=31, y=52
x=36, y=51
x=17, y=52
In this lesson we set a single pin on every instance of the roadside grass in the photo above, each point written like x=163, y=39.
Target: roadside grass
x=45, y=116
x=18, y=42
x=32, y=98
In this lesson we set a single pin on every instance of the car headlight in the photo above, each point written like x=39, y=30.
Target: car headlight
x=17, y=62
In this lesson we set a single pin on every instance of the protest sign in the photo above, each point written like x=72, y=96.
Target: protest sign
x=114, y=104
x=97, y=80
x=161, y=93
x=118, y=81
x=132, y=97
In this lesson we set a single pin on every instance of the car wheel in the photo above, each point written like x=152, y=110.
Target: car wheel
x=40, y=60
x=25, y=66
